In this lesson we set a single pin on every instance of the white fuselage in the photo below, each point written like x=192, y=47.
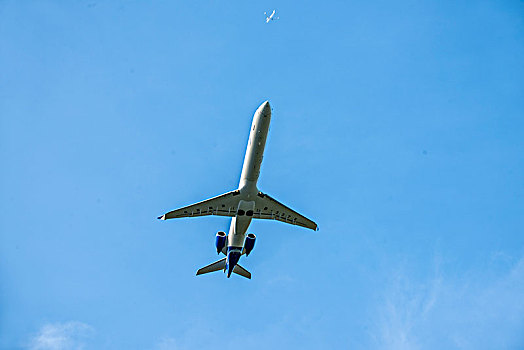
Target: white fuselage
x=249, y=177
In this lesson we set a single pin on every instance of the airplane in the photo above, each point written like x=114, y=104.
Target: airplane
x=271, y=16
x=245, y=203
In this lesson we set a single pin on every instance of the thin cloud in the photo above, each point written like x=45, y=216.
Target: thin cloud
x=406, y=305
x=167, y=344
x=470, y=312
x=61, y=336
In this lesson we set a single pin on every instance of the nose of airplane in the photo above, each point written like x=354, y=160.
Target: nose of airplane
x=265, y=108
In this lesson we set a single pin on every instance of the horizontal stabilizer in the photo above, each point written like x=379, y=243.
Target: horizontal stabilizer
x=216, y=266
x=220, y=265
x=239, y=270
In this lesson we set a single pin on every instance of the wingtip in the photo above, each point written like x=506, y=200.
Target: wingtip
x=163, y=217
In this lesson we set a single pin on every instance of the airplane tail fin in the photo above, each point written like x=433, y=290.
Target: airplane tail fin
x=220, y=265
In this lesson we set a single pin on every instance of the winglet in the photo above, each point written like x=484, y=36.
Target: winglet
x=163, y=217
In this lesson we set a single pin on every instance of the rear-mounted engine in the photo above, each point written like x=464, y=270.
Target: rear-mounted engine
x=250, y=243
x=220, y=241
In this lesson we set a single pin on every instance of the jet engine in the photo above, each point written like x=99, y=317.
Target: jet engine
x=220, y=241
x=249, y=244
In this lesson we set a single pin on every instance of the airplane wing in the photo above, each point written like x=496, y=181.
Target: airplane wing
x=269, y=208
x=223, y=205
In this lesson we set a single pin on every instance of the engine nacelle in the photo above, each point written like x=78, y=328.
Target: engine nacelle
x=220, y=241
x=249, y=243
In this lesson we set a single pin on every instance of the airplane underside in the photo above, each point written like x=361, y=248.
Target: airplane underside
x=243, y=205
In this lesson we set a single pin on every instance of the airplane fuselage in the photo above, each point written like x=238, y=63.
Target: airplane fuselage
x=248, y=185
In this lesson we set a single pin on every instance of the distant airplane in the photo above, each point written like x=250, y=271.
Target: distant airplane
x=243, y=204
x=271, y=16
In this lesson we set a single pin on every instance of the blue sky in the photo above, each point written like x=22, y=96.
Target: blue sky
x=397, y=126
